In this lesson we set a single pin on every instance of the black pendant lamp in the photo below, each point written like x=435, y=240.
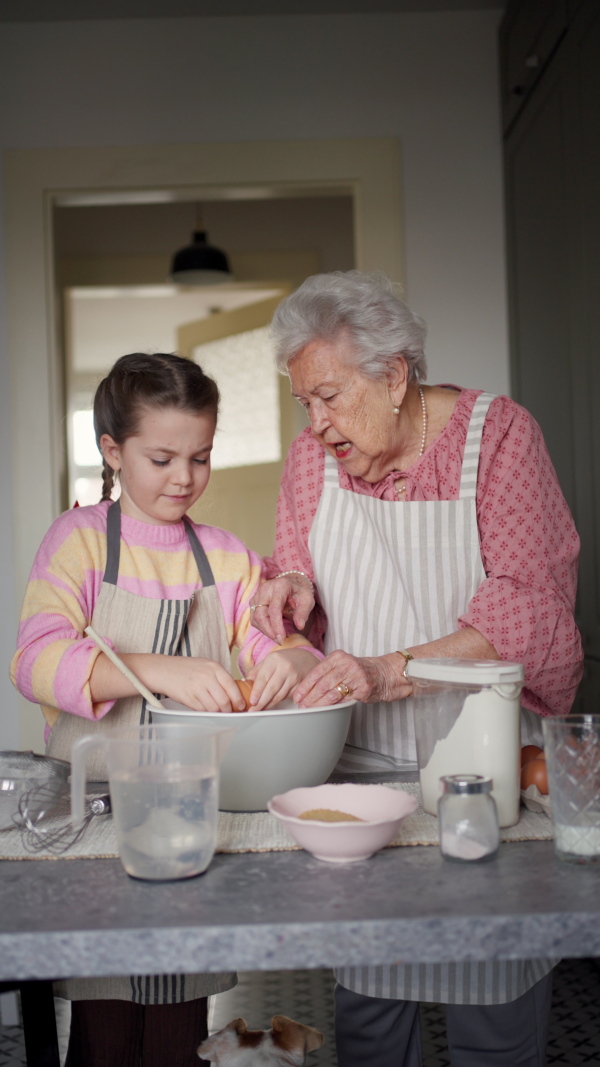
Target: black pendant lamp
x=200, y=263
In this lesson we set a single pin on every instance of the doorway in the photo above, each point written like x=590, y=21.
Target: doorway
x=111, y=266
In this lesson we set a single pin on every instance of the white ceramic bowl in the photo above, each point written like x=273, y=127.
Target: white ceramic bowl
x=381, y=808
x=271, y=751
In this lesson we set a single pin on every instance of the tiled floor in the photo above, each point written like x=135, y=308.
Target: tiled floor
x=308, y=997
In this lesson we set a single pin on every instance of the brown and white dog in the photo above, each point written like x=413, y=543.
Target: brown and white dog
x=285, y=1045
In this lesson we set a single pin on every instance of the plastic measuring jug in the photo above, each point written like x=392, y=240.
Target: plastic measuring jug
x=164, y=790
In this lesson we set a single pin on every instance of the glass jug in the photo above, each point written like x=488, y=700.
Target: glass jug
x=164, y=789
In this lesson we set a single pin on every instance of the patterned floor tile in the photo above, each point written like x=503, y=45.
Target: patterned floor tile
x=12, y=1047
x=433, y=1036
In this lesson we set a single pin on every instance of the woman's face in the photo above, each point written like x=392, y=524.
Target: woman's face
x=351, y=415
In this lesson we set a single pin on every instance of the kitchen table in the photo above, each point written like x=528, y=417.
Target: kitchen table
x=279, y=910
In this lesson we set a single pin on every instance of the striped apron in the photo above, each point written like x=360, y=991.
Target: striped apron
x=392, y=575
x=190, y=627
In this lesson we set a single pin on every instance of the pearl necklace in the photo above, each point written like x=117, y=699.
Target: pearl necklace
x=402, y=488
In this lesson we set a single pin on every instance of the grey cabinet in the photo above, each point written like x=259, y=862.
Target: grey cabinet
x=552, y=176
x=530, y=35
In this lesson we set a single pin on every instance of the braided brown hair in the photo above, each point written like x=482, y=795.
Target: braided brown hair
x=141, y=380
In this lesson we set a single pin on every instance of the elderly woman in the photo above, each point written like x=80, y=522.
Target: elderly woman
x=430, y=521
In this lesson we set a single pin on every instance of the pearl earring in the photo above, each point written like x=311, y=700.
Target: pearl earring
x=396, y=411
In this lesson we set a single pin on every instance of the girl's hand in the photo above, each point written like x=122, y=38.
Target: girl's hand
x=370, y=679
x=278, y=674
x=201, y=684
x=290, y=597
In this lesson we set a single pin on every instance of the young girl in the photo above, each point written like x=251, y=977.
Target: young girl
x=173, y=599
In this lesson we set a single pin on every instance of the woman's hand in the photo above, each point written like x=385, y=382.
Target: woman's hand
x=290, y=597
x=370, y=679
x=278, y=675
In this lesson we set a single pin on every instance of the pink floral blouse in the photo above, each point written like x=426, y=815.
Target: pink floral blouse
x=529, y=544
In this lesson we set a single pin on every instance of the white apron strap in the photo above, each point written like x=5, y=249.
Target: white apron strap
x=331, y=476
x=470, y=465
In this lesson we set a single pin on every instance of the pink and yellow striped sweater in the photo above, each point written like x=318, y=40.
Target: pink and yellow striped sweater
x=54, y=660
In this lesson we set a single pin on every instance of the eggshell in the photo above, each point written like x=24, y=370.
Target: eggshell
x=530, y=752
x=245, y=689
x=535, y=773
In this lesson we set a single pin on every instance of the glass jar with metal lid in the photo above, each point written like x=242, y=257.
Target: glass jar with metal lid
x=467, y=721
x=468, y=818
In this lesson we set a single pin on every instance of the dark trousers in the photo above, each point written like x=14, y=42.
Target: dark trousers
x=372, y=1032
x=115, y=1033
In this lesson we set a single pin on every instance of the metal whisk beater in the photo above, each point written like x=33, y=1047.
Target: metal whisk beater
x=57, y=835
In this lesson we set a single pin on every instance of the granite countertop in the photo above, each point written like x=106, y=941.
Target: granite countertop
x=287, y=910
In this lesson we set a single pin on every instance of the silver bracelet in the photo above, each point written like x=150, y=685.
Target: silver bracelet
x=302, y=575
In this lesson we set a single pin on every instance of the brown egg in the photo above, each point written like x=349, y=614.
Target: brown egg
x=530, y=752
x=245, y=689
x=535, y=773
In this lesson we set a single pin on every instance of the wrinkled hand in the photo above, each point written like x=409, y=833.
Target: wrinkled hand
x=371, y=678
x=290, y=597
x=201, y=684
x=278, y=675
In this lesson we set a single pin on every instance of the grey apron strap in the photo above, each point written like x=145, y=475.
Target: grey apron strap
x=113, y=548
x=113, y=543
x=199, y=554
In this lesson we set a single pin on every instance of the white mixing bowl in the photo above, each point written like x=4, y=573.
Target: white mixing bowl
x=271, y=751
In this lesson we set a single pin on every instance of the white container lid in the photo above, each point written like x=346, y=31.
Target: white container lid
x=465, y=671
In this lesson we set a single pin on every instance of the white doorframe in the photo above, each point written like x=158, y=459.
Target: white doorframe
x=35, y=179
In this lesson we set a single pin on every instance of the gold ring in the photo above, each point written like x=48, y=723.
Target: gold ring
x=253, y=607
x=343, y=689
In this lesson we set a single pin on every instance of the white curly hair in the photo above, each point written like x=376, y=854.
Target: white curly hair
x=362, y=305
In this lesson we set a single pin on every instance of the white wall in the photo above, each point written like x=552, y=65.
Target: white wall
x=429, y=79
x=9, y=723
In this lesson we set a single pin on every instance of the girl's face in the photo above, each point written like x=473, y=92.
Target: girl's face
x=165, y=468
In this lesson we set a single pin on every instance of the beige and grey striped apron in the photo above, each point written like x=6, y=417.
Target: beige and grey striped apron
x=190, y=627
x=392, y=575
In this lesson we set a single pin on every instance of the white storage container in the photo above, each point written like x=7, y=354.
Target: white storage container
x=467, y=722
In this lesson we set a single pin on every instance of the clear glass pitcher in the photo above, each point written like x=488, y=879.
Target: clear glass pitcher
x=164, y=790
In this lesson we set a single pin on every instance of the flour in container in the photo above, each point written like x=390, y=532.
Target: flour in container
x=484, y=740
